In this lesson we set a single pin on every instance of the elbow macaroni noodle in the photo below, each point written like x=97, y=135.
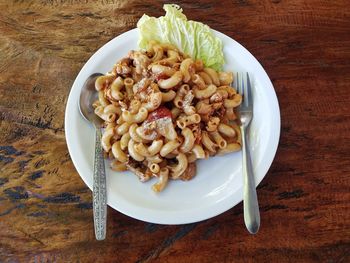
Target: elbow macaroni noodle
x=162, y=111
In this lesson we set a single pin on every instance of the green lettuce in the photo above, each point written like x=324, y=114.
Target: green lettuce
x=193, y=38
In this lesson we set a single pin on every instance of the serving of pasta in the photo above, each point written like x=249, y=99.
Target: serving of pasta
x=162, y=111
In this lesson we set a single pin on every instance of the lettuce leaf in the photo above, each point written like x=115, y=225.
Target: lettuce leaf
x=193, y=38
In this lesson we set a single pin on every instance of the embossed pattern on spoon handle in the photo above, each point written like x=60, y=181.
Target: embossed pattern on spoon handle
x=99, y=189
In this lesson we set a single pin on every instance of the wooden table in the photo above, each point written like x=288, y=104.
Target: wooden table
x=46, y=209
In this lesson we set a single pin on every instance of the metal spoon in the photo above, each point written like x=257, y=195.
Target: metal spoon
x=87, y=96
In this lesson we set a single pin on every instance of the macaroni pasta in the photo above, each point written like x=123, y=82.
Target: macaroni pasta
x=162, y=111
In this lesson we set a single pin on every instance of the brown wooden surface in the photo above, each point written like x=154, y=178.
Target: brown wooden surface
x=45, y=208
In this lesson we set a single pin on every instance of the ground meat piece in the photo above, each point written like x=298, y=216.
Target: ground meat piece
x=190, y=172
x=138, y=168
x=197, y=133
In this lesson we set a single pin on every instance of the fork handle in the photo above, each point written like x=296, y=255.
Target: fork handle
x=250, y=200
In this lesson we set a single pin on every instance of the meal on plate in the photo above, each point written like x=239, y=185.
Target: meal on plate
x=167, y=105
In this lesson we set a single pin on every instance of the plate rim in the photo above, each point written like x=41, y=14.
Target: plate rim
x=162, y=217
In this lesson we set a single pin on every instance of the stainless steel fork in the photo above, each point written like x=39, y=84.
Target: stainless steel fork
x=250, y=200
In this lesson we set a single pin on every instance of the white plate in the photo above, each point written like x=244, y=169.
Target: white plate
x=218, y=184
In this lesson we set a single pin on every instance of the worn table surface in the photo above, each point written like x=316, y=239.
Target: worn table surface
x=45, y=208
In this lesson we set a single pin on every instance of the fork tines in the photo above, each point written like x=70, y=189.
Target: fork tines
x=243, y=87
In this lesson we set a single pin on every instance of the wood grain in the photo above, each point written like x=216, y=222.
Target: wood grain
x=45, y=208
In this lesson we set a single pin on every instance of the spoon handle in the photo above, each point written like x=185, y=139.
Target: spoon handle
x=99, y=189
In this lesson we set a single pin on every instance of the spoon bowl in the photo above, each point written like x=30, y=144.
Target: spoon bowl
x=88, y=95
